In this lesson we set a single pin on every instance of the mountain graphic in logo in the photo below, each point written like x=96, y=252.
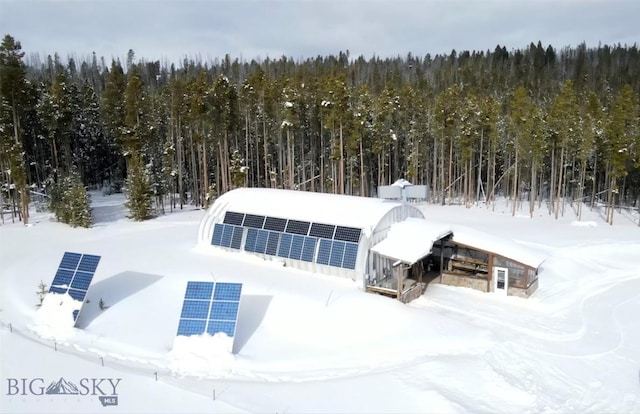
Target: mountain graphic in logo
x=62, y=386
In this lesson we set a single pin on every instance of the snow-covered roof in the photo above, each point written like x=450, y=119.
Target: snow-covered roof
x=342, y=210
x=501, y=246
x=411, y=240
x=401, y=183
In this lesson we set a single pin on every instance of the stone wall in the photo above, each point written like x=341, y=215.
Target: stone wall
x=465, y=281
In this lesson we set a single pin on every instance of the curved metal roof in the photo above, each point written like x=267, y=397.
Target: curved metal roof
x=341, y=210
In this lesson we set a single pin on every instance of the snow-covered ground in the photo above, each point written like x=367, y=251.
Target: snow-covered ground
x=314, y=343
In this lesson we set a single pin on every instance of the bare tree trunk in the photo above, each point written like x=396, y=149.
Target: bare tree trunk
x=515, y=181
x=560, y=182
x=363, y=176
x=341, y=165
x=479, y=180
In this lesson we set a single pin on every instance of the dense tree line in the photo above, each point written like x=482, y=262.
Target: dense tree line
x=538, y=125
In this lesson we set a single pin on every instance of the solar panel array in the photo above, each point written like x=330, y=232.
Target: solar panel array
x=325, y=244
x=74, y=276
x=210, y=307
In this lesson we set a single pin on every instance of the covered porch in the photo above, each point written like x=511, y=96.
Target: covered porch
x=403, y=264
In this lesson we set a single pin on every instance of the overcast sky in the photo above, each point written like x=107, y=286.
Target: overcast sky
x=169, y=30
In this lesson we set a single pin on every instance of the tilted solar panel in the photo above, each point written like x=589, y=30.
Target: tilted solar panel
x=74, y=276
x=231, y=217
x=210, y=307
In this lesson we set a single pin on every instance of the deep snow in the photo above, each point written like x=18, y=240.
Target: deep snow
x=314, y=343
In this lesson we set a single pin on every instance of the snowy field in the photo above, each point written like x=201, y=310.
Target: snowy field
x=313, y=343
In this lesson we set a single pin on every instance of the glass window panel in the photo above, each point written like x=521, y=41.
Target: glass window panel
x=296, y=247
x=250, y=242
x=234, y=218
x=348, y=234
x=261, y=241
x=275, y=224
x=285, y=245
x=350, y=256
x=272, y=243
x=251, y=220
x=337, y=252
x=236, y=240
x=324, y=251
x=218, y=229
x=322, y=230
x=309, y=249
x=298, y=227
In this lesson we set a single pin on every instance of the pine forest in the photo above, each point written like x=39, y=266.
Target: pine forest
x=549, y=129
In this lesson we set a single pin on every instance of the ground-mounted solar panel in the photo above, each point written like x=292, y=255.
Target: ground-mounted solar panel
x=210, y=307
x=74, y=276
x=285, y=245
x=296, y=247
x=324, y=252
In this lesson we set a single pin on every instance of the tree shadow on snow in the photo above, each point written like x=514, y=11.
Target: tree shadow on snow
x=250, y=315
x=112, y=290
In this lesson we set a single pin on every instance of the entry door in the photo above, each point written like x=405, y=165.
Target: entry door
x=500, y=280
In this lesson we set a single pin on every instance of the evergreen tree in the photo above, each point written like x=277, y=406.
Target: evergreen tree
x=12, y=87
x=139, y=197
x=70, y=201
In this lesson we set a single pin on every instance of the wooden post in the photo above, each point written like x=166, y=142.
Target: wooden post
x=399, y=270
x=441, y=258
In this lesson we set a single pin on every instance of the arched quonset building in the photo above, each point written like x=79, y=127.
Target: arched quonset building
x=323, y=233
x=386, y=246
